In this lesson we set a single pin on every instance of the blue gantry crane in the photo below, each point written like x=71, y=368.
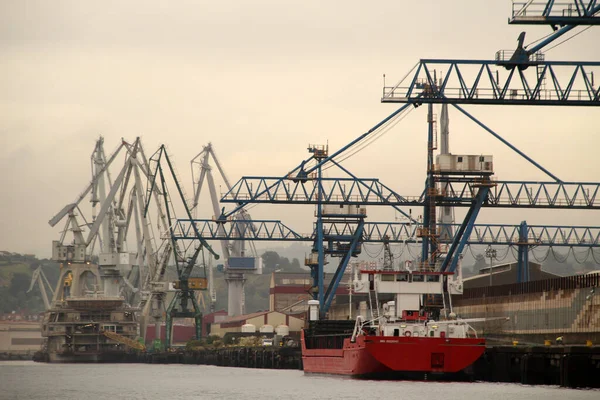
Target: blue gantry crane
x=555, y=14
x=519, y=77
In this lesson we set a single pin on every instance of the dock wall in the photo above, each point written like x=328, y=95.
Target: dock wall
x=536, y=311
x=567, y=366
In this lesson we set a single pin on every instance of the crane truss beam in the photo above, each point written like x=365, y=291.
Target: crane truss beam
x=255, y=230
x=515, y=194
x=306, y=191
x=557, y=83
x=374, y=232
x=536, y=235
x=395, y=232
x=565, y=12
x=370, y=192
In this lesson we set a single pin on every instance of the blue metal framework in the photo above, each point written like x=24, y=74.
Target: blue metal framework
x=290, y=190
x=550, y=12
x=346, y=254
x=534, y=235
x=396, y=232
x=344, y=238
x=464, y=231
x=252, y=230
x=371, y=192
x=516, y=194
x=498, y=82
x=377, y=232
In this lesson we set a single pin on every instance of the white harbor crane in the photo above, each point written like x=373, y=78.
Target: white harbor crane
x=135, y=272
x=237, y=262
x=116, y=204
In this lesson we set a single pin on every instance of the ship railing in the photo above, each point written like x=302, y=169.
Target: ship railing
x=467, y=320
x=358, y=325
x=469, y=330
x=361, y=322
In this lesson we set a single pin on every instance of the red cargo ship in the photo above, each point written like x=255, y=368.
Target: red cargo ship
x=403, y=343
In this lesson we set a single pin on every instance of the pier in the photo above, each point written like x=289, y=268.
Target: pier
x=565, y=366
x=244, y=357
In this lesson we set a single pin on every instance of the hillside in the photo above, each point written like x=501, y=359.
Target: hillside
x=16, y=270
x=15, y=279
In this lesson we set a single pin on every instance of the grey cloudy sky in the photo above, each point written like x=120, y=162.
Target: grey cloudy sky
x=261, y=80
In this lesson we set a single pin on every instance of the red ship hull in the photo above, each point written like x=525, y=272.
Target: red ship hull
x=395, y=357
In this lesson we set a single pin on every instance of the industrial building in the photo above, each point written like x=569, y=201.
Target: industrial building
x=19, y=338
x=505, y=274
x=537, y=310
x=289, y=292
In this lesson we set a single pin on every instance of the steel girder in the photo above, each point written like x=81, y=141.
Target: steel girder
x=565, y=12
x=339, y=272
x=291, y=190
x=252, y=230
x=517, y=194
x=500, y=81
x=397, y=232
x=534, y=235
x=464, y=231
x=458, y=193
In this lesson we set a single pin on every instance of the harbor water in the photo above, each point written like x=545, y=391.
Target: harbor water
x=29, y=380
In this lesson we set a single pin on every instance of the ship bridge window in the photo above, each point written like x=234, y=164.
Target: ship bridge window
x=418, y=278
x=433, y=278
x=387, y=278
x=402, y=277
x=459, y=159
x=481, y=159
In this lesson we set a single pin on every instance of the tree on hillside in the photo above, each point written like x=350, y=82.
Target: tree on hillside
x=273, y=262
x=19, y=283
x=296, y=265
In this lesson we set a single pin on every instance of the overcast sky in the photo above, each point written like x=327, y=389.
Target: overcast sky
x=260, y=80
